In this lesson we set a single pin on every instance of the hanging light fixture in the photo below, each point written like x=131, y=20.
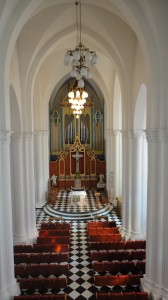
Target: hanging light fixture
x=80, y=56
x=77, y=98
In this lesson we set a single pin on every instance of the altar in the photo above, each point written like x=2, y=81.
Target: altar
x=78, y=168
x=77, y=197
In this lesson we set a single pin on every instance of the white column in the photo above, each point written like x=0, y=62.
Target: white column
x=118, y=163
x=165, y=221
x=137, y=187
x=156, y=280
x=110, y=166
x=46, y=160
x=39, y=169
x=26, y=184
x=19, y=229
x=127, y=183
x=32, y=230
x=8, y=284
x=144, y=184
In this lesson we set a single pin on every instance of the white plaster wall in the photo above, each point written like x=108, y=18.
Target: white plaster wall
x=117, y=103
x=15, y=119
x=38, y=117
x=140, y=77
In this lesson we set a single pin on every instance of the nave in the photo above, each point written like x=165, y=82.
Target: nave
x=84, y=276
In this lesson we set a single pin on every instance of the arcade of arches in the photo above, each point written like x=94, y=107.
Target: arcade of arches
x=122, y=132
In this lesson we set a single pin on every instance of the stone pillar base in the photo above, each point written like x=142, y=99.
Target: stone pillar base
x=155, y=292
x=138, y=235
x=77, y=183
x=126, y=235
x=10, y=292
x=40, y=204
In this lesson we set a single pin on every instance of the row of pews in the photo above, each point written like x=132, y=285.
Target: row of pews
x=42, y=297
x=121, y=296
x=118, y=266
x=42, y=269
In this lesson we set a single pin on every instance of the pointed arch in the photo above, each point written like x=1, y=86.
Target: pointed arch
x=140, y=109
x=15, y=119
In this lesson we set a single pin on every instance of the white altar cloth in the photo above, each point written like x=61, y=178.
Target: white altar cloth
x=77, y=197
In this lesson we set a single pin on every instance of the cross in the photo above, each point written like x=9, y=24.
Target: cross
x=77, y=156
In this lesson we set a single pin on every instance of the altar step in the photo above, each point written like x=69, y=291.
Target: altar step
x=71, y=216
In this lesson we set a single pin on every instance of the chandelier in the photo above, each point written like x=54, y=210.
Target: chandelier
x=81, y=56
x=77, y=98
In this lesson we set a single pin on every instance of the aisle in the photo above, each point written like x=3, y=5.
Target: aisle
x=81, y=273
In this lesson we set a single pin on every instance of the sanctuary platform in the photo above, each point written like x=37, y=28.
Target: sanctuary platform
x=77, y=205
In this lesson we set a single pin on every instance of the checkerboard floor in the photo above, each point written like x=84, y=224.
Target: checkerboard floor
x=73, y=207
x=80, y=278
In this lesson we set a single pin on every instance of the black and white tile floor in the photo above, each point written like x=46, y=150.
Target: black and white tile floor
x=80, y=278
x=71, y=209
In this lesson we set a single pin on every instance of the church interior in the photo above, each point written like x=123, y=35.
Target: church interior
x=83, y=149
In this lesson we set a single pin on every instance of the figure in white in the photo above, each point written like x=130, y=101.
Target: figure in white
x=101, y=184
x=101, y=176
x=54, y=179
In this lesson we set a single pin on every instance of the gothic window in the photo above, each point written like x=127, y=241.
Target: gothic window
x=98, y=117
x=56, y=117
